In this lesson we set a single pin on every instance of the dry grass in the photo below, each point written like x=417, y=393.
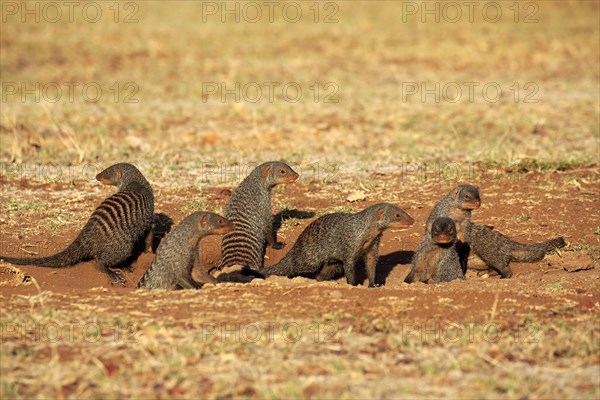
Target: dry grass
x=130, y=353
x=371, y=126
x=158, y=345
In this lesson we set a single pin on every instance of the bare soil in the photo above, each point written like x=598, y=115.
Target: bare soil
x=555, y=211
x=563, y=287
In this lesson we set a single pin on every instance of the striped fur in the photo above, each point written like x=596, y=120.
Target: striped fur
x=114, y=228
x=332, y=244
x=171, y=269
x=250, y=210
x=479, y=241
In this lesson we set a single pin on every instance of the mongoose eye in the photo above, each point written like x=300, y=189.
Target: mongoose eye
x=468, y=196
x=282, y=172
x=220, y=222
x=397, y=215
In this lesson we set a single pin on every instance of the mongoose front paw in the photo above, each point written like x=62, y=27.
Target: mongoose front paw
x=278, y=245
x=119, y=281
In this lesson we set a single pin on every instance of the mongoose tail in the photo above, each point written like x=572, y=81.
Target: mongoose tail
x=410, y=278
x=73, y=254
x=534, y=252
x=284, y=267
x=115, y=227
x=497, y=250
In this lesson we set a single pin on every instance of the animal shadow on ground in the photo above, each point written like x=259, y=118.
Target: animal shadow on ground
x=389, y=261
x=384, y=267
x=162, y=225
x=243, y=275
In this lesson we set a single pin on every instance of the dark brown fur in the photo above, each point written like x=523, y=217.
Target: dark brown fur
x=114, y=228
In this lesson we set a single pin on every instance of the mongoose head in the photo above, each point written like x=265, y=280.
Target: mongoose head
x=391, y=216
x=120, y=175
x=466, y=197
x=276, y=172
x=214, y=224
x=443, y=231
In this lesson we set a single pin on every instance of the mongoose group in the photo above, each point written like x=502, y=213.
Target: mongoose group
x=332, y=246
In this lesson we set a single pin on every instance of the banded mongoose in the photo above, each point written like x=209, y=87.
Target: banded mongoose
x=250, y=210
x=337, y=241
x=179, y=252
x=436, y=259
x=458, y=205
x=497, y=250
x=113, y=230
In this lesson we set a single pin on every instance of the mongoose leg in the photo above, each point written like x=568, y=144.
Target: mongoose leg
x=330, y=270
x=410, y=278
x=115, y=276
x=371, y=258
x=271, y=236
x=205, y=277
x=476, y=263
x=187, y=282
x=350, y=271
x=505, y=273
x=149, y=240
x=501, y=264
x=464, y=250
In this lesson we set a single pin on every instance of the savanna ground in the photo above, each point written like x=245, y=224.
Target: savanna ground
x=367, y=134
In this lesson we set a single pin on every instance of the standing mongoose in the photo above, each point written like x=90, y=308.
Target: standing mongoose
x=335, y=242
x=497, y=250
x=113, y=230
x=250, y=210
x=436, y=259
x=458, y=205
x=178, y=253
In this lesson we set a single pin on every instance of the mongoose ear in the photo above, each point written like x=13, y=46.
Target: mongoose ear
x=266, y=170
x=380, y=212
x=204, y=220
x=118, y=173
x=455, y=192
